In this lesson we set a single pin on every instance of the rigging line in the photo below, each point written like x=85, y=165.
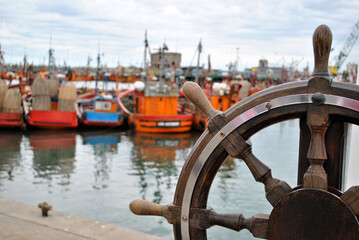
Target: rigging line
x=204, y=55
x=195, y=53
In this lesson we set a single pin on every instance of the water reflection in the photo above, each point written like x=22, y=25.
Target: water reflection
x=225, y=172
x=53, y=155
x=102, y=171
x=153, y=157
x=10, y=157
x=104, y=144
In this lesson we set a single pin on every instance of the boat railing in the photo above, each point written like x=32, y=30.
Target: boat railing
x=120, y=103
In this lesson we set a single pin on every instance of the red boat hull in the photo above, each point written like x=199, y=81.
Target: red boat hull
x=11, y=119
x=162, y=123
x=52, y=119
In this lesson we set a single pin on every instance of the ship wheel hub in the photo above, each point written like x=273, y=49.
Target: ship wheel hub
x=293, y=217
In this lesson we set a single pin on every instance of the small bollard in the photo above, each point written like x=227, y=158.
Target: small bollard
x=45, y=207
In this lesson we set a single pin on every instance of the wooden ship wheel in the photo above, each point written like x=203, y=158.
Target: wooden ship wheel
x=315, y=209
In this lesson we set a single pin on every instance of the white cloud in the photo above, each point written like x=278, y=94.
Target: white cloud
x=275, y=30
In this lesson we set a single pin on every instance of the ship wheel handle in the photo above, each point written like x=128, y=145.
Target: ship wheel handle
x=195, y=94
x=322, y=42
x=203, y=218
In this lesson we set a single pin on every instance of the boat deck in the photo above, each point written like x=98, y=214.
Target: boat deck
x=22, y=221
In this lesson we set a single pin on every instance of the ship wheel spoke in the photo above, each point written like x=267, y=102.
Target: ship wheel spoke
x=318, y=113
x=315, y=176
x=318, y=123
x=203, y=219
x=236, y=146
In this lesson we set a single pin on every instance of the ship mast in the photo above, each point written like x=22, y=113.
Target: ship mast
x=145, y=57
x=88, y=65
x=97, y=69
x=236, y=63
x=2, y=59
x=25, y=67
x=162, y=51
x=51, y=56
x=197, y=68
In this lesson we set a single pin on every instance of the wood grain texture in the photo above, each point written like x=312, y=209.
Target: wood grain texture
x=322, y=43
x=312, y=214
x=202, y=219
x=317, y=113
x=195, y=94
x=316, y=177
x=142, y=207
x=351, y=197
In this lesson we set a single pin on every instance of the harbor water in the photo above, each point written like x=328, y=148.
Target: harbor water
x=96, y=174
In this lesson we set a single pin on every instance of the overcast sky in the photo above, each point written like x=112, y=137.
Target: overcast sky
x=280, y=31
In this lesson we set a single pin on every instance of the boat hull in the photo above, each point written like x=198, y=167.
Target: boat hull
x=52, y=119
x=13, y=120
x=102, y=119
x=162, y=123
x=199, y=121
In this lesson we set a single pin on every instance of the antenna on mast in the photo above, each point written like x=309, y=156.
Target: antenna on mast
x=51, y=54
x=145, y=58
x=199, y=54
x=98, y=67
x=162, y=52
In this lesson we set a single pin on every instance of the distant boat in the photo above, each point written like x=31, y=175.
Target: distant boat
x=12, y=120
x=99, y=111
x=53, y=119
x=222, y=96
x=156, y=103
x=10, y=107
x=56, y=112
x=156, y=111
x=222, y=91
x=51, y=102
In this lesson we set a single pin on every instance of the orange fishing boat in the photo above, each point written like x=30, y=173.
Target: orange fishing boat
x=156, y=103
x=156, y=109
x=53, y=118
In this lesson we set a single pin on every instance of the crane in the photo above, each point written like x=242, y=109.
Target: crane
x=349, y=43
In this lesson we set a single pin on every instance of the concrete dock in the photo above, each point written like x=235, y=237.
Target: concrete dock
x=22, y=221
